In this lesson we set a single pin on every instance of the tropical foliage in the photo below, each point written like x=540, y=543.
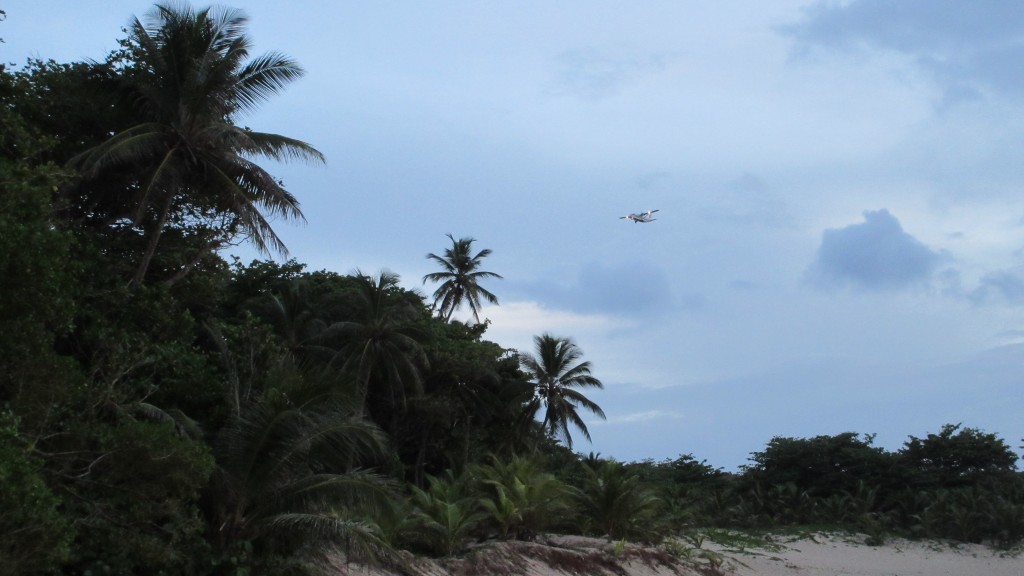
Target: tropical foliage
x=164, y=411
x=184, y=160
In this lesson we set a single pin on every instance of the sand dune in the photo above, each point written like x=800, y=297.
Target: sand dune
x=846, y=555
x=817, y=554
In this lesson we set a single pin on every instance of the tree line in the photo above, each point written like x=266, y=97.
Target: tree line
x=164, y=410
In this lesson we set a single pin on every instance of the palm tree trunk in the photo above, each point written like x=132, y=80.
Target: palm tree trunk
x=421, y=461
x=154, y=240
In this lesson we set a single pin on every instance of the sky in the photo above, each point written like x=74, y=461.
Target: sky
x=838, y=246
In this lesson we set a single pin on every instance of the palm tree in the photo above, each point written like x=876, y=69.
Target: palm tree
x=191, y=75
x=555, y=375
x=615, y=500
x=446, y=512
x=299, y=325
x=289, y=471
x=380, y=346
x=522, y=499
x=460, y=279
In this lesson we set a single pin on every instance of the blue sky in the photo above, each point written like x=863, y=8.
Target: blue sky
x=839, y=242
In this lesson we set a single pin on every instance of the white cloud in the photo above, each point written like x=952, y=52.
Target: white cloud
x=514, y=324
x=637, y=417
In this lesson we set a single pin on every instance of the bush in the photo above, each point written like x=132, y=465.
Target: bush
x=957, y=457
x=823, y=465
x=522, y=500
x=34, y=534
x=617, y=505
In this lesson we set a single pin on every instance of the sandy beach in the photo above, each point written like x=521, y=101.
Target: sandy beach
x=817, y=554
x=847, y=555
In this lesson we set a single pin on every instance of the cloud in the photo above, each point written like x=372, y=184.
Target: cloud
x=874, y=255
x=967, y=47
x=515, y=323
x=626, y=288
x=637, y=417
x=748, y=201
x=1005, y=286
x=592, y=75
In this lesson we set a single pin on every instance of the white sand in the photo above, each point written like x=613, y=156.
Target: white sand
x=846, y=555
x=808, y=555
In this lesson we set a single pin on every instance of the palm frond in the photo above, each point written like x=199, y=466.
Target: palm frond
x=277, y=147
x=265, y=76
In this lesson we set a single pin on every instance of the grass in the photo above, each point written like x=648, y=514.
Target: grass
x=736, y=540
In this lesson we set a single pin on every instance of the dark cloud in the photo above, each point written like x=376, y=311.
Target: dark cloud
x=1004, y=286
x=969, y=47
x=625, y=288
x=1001, y=287
x=874, y=255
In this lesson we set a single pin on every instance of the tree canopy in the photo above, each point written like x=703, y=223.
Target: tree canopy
x=189, y=76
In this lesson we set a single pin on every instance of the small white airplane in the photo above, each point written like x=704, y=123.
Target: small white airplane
x=643, y=217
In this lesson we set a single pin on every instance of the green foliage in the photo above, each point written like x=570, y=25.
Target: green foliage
x=61, y=109
x=956, y=457
x=446, y=514
x=381, y=346
x=34, y=534
x=140, y=344
x=957, y=484
x=693, y=493
x=36, y=269
x=522, y=500
x=217, y=418
x=190, y=169
x=615, y=503
x=472, y=406
x=289, y=474
x=460, y=279
x=556, y=374
x=823, y=465
x=134, y=489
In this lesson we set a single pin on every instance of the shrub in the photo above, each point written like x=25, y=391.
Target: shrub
x=34, y=535
x=616, y=504
x=522, y=500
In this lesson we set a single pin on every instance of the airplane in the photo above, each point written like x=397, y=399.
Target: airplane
x=642, y=217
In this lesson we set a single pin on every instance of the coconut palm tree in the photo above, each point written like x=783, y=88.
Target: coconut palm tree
x=460, y=279
x=614, y=499
x=289, y=470
x=446, y=512
x=521, y=499
x=380, y=346
x=555, y=376
x=190, y=75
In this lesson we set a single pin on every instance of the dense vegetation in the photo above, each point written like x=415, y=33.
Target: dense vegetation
x=165, y=411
